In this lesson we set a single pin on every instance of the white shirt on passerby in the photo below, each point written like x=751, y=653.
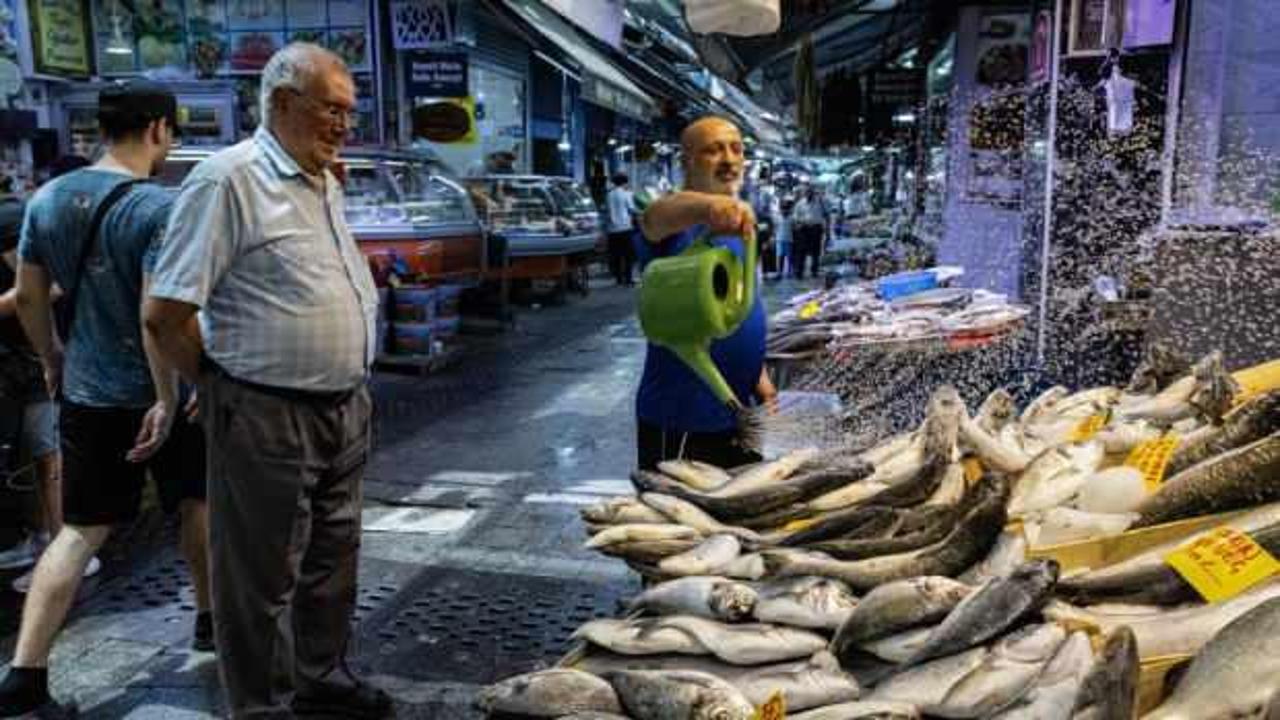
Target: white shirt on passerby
x=285, y=295
x=621, y=205
x=810, y=212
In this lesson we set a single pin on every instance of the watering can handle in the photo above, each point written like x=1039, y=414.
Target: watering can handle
x=742, y=305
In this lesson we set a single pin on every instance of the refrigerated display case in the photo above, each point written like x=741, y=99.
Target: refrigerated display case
x=538, y=216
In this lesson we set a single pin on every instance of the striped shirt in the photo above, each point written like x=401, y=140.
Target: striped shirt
x=264, y=251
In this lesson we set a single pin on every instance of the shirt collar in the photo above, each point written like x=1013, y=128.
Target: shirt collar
x=280, y=159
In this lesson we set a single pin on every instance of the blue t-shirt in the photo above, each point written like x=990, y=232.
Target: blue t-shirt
x=671, y=395
x=105, y=364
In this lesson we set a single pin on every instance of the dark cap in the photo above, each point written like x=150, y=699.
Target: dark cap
x=135, y=104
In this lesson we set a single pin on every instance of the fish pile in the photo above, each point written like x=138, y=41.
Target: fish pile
x=900, y=580
x=852, y=315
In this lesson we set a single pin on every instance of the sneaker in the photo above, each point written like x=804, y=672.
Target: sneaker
x=22, y=555
x=202, y=635
x=361, y=700
x=23, y=583
x=22, y=695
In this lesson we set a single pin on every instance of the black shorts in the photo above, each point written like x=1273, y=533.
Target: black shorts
x=101, y=487
x=723, y=449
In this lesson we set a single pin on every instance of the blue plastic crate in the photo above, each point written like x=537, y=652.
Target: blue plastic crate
x=907, y=283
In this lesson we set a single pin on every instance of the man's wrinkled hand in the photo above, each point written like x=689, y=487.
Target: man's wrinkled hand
x=151, y=436
x=727, y=216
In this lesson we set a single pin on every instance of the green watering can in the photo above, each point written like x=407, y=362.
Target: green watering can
x=694, y=298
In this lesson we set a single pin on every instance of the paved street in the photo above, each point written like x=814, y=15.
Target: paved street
x=487, y=461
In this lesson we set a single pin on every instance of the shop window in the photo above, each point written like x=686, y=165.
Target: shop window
x=1094, y=26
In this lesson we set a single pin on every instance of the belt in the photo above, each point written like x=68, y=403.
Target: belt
x=319, y=397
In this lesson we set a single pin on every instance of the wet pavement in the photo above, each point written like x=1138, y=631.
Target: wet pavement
x=472, y=567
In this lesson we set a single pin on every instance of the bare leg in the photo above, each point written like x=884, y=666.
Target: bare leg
x=53, y=589
x=195, y=547
x=49, y=493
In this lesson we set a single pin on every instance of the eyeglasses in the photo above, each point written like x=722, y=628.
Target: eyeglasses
x=333, y=112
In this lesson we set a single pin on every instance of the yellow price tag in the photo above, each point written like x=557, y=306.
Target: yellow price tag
x=1152, y=458
x=1222, y=563
x=809, y=310
x=972, y=469
x=1089, y=427
x=775, y=708
x=800, y=524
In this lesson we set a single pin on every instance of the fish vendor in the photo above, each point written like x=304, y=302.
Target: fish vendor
x=677, y=415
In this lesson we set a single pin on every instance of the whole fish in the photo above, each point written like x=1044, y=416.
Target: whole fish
x=733, y=508
x=854, y=523
x=1122, y=437
x=746, y=567
x=712, y=557
x=1087, y=402
x=916, y=489
x=1043, y=403
x=649, y=552
x=678, y=695
x=697, y=475
x=686, y=513
x=1009, y=552
x=1133, y=578
x=862, y=710
x=891, y=447
x=1175, y=632
x=1109, y=691
x=1053, y=695
x=1216, y=389
x=549, y=694
x=639, y=636
x=895, y=649
x=895, y=607
x=1164, y=408
x=977, y=682
x=970, y=540
x=951, y=489
x=996, y=411
x=1235, y=675
x=771, y=473
x=747, y=644
x=618, y=534
x=940, y=523
x=805, y=684
x=1236, y=479
x=994, y=453
x=1055, y=477
x=622, y=511
x=1255, y=419
x=995, y=607
x=807, y=602
x=716, y=598
x=1161, y=365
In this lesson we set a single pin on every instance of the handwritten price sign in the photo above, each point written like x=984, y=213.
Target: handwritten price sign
x=1222, y=563
x=1089, y=427
x=1151, y=458
x=810, y=310
x=775, y=708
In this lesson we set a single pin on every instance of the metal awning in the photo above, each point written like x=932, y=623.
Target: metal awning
x=602, y=82
x=760, y=122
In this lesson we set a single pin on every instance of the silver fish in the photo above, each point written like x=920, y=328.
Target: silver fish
x=715, y=598
x=1053, y=695
x=1235, y=675
x=622, y=511
x=1236, y=479
x=1109, y=691
x=861, y=710
x=641, y=636
x=697, y=475
x=747, y=644
x=996, y=411
x=746, y=567
x=977, y=682
x=1000, y=604
x=1009, y=552
x=895, y=607
x=1055, y=477
x=649, y=552
x=1252, y=421
x=804, y=684
x=618, y=534
x=733, y=508
x=683, y=512
x=549, y=694
x=678, y=695
x=896, y=649
x=1043, y=403
x=807, y=602
x=994, y=453
x=712, y=557
x=765, y=475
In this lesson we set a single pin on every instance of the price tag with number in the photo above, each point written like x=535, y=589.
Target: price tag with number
x=809, y=310
x=1151, y=458
x=1222, y=563
x=775, y=708
x=972, y=469
x=1089, y=427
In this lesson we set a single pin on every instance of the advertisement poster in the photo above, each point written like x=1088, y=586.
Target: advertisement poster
x=351, y=45
x=158, y=27
x=60, y=37
x=1149, y=22
x=255, y=14
x=252, y=50
x=1002, y=50
x=349, y=12
x=307, y=12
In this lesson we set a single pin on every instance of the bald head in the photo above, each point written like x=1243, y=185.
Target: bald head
x=713, y=156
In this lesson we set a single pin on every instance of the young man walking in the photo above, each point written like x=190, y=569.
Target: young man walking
x=622, y=208
x=93, y=232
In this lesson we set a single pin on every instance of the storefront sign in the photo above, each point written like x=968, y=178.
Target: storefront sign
x=1149, y=22
x=447, y=122
x=435, y=74
x=601, y=18
x=421, y=24
x=606, y=95
x=60, y=37
x=896, y=88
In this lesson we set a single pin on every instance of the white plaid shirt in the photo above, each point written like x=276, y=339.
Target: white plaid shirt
x=286, y=296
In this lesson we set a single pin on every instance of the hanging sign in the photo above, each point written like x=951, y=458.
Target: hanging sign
x=429, y=74
x=448, y=122
x=420, y=24
x=60, y=37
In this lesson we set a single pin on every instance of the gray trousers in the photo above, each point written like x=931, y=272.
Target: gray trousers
x=284, y=537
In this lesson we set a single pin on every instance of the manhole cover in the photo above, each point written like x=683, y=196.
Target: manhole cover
x=465, y=626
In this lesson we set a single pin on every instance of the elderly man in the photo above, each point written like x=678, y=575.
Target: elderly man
x=258, y=247
x=677, y=414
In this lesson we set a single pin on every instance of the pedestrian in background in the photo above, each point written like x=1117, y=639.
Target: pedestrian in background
x=93, y=232
x=259, y=247
x=622, y=210
x=810, y=223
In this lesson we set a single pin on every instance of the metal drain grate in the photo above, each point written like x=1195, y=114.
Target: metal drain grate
x=458, y=625
x=162, y=584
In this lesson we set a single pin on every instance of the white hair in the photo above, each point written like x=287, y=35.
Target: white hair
x=291, y=67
